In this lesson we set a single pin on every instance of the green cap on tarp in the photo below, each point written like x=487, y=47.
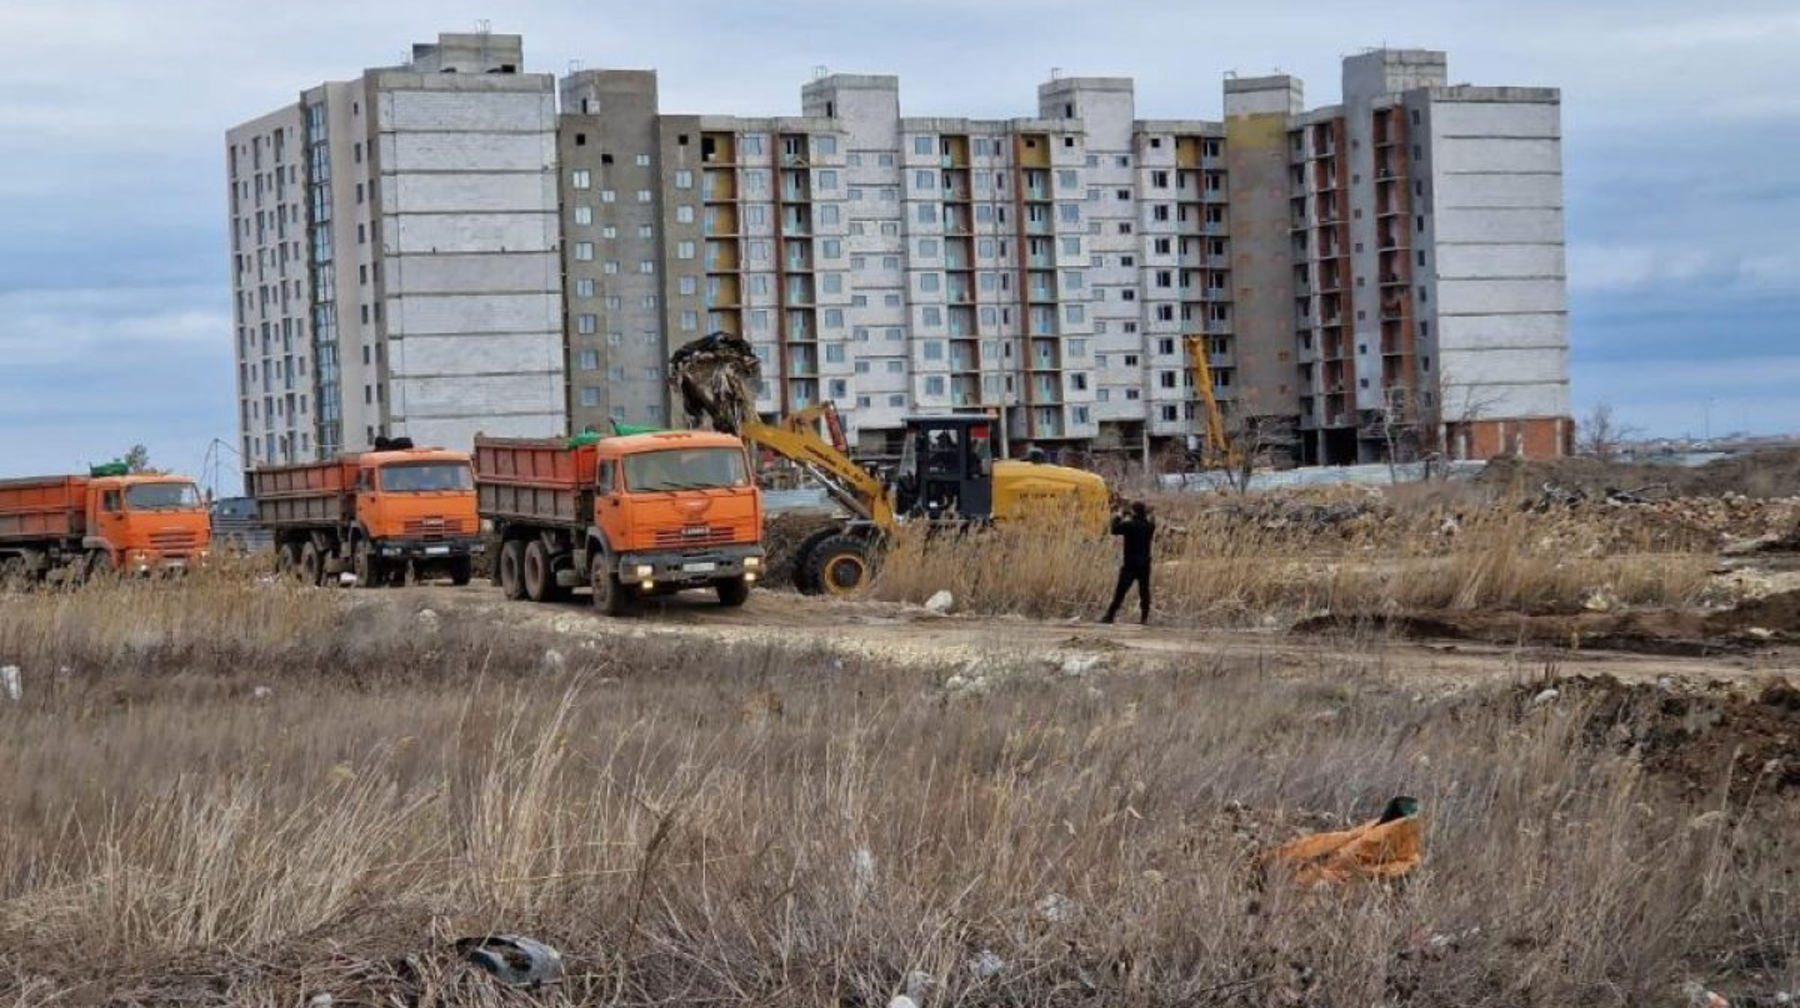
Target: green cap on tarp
x=114, y=468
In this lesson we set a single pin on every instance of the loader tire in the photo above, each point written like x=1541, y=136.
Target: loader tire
x=512, y=569
x=840, y=565
x=803, y=571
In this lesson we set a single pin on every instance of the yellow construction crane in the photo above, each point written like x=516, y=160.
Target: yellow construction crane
x=1217, y=450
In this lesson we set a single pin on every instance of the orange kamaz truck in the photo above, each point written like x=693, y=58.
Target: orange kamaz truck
x=377, y=514
x=74, y=527
x=630, y=516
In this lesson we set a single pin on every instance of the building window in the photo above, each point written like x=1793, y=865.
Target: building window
x=924, y=180
x=584, y=251
x=828, y=179
x=831, y=248
x=1067, y=179
x=589, y=360
x=684, y=214
x=590, y=396
x=834, y=318
x=643, y=160
x=684, y=179
x=643, y=195
x=928, y=282
x=924, y=146
x=584, y=215
x=608, y=196
x=587, y=325
x=934, y=385
x=580, y=178
x=684, y=250
x=610, y=267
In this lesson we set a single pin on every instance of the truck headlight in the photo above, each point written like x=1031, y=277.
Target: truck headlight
x=645, y=571
x=751, y=563
x=749, y=577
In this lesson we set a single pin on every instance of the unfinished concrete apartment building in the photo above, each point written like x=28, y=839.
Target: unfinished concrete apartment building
x=1382, y=276
x=394, y=257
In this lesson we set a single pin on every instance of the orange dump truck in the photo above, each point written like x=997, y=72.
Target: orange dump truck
x=375, y=514
x=630, y=517
x=77, y=526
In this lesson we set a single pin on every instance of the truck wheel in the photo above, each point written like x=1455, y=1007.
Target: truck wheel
x=839, y=565
x=462, y=571
x=312, y=565
x=610, y=597
x=733, y=592
x=99, y=566
x=512, y=569
x=287, y=560
x=369, y=570
x=540, y=576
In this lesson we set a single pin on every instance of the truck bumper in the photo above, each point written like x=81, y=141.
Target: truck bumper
x=431, y=549
x=691, y=568
x=149, y=563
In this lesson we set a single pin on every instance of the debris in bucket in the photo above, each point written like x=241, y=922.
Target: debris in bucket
x=513, y=959
x=716, y=377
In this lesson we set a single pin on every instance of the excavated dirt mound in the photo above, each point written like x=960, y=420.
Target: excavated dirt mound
x=1695, y=741
x=1764, y=474
x=1656, y=632
x=1778, y=615
x=782, y=536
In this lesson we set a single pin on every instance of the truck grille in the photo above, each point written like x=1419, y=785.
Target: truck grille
x=174, y=542
x=695, y=535
x=434, y=528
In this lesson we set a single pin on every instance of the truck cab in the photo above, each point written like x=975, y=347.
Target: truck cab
x=417, y=503
x=676, y=508
x=146, y=524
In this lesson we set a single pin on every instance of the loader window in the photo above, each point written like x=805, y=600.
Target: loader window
x=426, y=477
x=685, y=469
x=161, y=497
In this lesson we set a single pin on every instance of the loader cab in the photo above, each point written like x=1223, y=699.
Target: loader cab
x=947, y=468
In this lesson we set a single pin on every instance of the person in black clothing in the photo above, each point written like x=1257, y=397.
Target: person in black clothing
x=1135, y=531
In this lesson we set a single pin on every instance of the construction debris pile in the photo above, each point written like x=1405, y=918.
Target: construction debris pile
x=717, y=378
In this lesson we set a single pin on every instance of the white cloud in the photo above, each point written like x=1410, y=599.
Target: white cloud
x=1628, y=267
x=73, y=326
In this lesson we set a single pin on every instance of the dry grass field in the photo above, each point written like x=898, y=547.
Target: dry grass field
x=226, y=792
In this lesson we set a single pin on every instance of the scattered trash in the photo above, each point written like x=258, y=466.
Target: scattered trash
x=972, y=685
x=320, y=1000
x=1390, y=846
x=427, y=619
x=940, y=601
x=917, y=983
x=862, y=870
x=986, y=964
x=262, y=693
x=1077, y=665
x=553, y=661
x=1699, y=996
x=11, y=684
x=514, y=960
x=1602, y=599
x=1547, y=696
x=1057, y=908
x=346, y=579
x=1707, y=820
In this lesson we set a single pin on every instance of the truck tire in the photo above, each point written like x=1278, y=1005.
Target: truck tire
x=540, y=576
x=462, y=571
x=610, y=597
x=369, y=569
x=512, y=569
x=840, y=565
x=733, y=592
x=287, y=560
x=312, y=565
x=99, y=566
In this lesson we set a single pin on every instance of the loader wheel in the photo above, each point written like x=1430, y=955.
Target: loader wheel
x=462, y=571
x=540, y=576
x=733, y=592
x=512, y=569
x=804, y=579
x=610, y=597
x=312, y=565
x=839, y=565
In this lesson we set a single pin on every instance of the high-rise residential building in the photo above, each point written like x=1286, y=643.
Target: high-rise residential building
x=395, y=257
x=1382, y=276
x=1054, y=270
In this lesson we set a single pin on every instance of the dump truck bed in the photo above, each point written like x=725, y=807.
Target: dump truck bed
x=42, y=507
x=540, y=480
x=311, y=493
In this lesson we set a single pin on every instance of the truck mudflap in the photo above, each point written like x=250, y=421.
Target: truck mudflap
x=431, y=549
x=691, y=567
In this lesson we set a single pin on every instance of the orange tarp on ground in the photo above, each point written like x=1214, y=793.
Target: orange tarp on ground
x=1375, y=849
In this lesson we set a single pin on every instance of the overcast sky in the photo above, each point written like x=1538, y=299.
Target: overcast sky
x=1681, y=126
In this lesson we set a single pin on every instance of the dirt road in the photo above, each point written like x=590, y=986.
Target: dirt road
x=914, y=636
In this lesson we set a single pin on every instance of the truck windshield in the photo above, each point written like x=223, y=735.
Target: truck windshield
x=426, y=477
x=162, y=496
x=685, y=469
